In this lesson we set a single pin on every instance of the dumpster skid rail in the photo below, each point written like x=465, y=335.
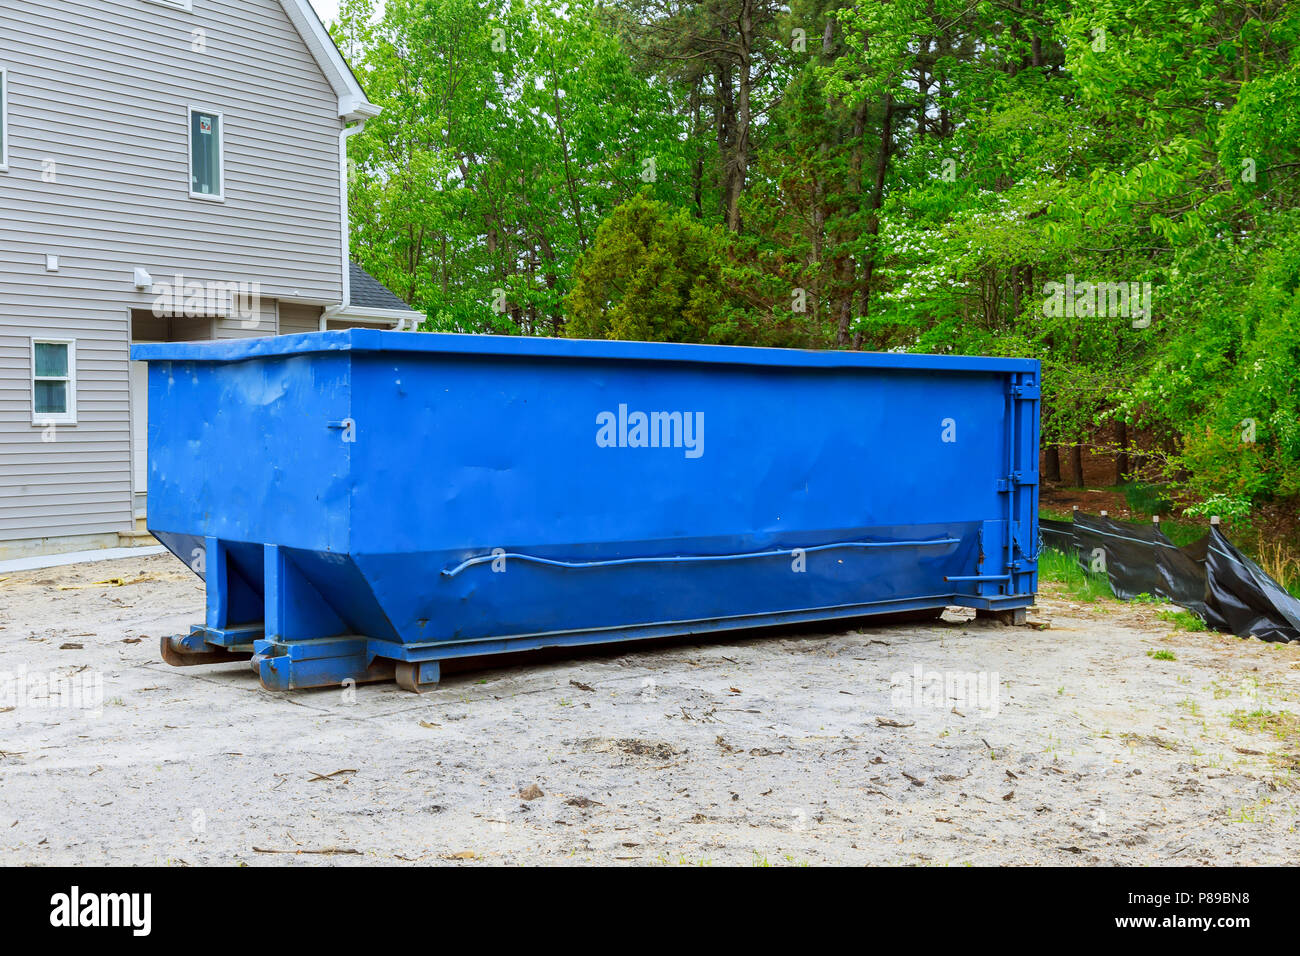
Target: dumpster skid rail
x=365, y=505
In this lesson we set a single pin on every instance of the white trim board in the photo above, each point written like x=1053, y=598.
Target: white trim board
x=4, y=119
x=353, y=104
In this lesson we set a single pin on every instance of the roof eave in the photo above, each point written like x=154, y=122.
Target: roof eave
x=353, y=105
x=354, y=112
x=364, y=313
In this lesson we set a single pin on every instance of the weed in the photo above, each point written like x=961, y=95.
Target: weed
x=1183, y=620
x=1280, y=724
x=1063, y=569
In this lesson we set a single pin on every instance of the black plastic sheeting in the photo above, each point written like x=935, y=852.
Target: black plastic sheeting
x=1208, y=577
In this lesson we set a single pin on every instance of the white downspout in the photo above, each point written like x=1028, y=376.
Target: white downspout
x=345, y=222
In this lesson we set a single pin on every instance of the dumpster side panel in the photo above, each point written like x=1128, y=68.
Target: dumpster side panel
x=533, y=500
x=251, y=451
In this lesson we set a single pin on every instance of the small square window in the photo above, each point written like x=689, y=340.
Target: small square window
x=54, y=382
x=206, y=139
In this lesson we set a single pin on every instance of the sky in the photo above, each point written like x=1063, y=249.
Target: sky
x=328, y=9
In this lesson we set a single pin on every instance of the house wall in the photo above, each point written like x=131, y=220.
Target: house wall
x=98, y=93
x=295, y=318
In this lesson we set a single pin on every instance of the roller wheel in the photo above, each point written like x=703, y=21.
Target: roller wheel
x=180, y=658
x=408, y=677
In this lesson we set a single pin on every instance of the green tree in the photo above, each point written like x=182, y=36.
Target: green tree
x=910, y=175
x=652, y=275
x=509, y=130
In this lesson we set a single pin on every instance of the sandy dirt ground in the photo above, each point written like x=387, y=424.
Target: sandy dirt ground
x=792, y=749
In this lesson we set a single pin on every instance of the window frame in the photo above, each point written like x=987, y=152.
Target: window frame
x=219, y=196
x=68, y=417
x=4, y=120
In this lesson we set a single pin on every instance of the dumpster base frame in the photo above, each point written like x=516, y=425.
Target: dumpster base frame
x=334, y=661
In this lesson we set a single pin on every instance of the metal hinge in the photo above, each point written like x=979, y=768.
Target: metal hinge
x=1015, y=480
x=1025, y=392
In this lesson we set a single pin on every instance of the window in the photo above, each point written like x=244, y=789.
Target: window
x=54, y=381
x=4, y=120
x=206, y=136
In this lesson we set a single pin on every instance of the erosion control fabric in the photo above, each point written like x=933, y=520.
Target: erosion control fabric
x=1243, y=596
x=1208, y=577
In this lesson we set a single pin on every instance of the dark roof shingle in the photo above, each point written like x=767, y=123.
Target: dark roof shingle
x=369, y=293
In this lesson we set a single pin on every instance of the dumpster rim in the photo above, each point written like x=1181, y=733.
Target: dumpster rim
x=453, y=343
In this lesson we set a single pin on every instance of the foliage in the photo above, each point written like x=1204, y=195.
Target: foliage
x=658, y=275
x=1182, y=620
x=652, y=275
x=928, y=175
x=1064, y=569
x=509, y=131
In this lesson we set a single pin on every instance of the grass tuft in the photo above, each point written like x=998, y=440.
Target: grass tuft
x=1065, y=570
x=1283, y=725
x=1183, y=620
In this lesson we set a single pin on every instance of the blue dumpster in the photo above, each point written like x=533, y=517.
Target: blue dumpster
x=366, y=504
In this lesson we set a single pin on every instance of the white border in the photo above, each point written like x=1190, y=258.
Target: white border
x=4, y=120
x=221, y=152
x=70, y=416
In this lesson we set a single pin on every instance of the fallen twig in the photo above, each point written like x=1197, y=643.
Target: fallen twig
x=887, y=722
x=327, y=851
x=326, y=776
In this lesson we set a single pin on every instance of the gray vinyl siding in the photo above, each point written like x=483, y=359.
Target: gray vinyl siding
x=101, y=89
x=295, y=318
x=263, y=323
